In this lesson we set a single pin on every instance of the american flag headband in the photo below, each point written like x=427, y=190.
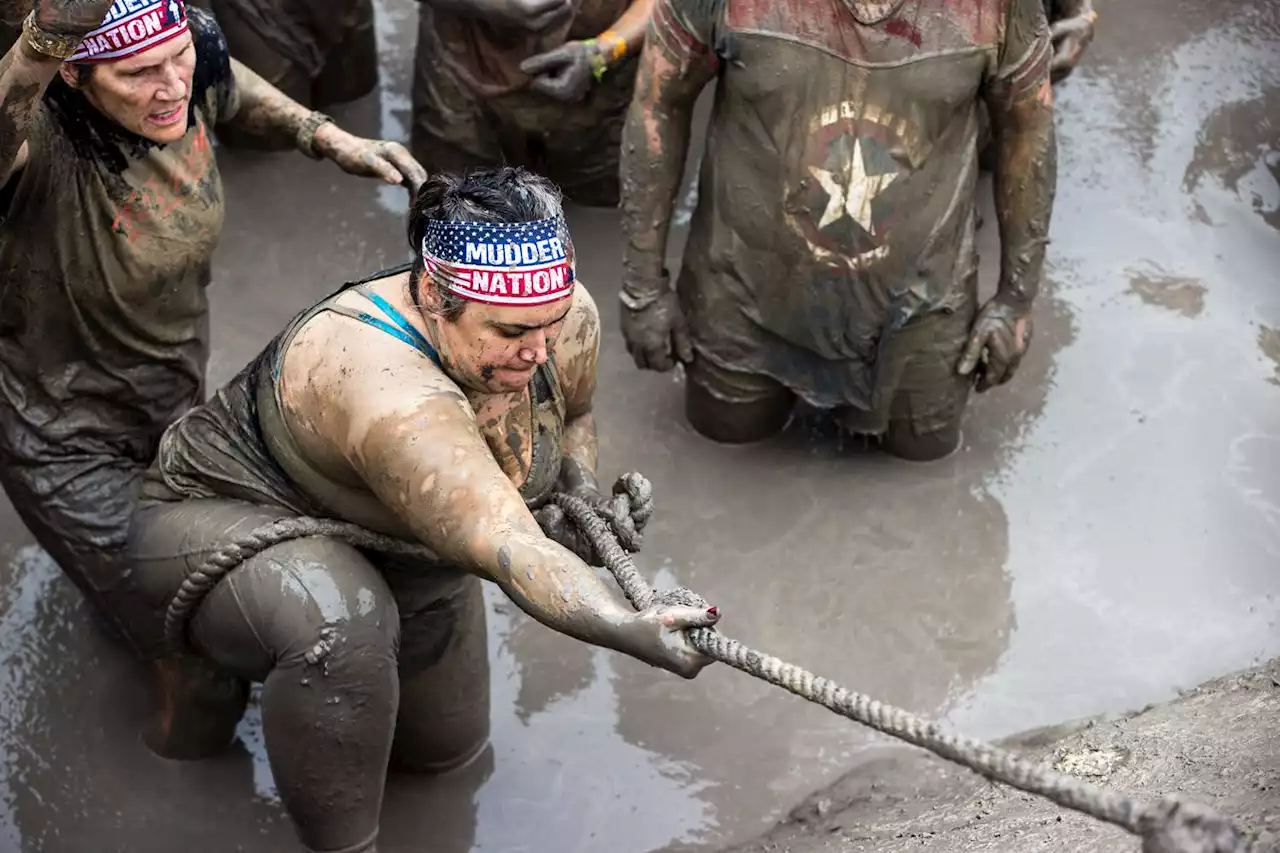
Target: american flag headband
x=501, y=263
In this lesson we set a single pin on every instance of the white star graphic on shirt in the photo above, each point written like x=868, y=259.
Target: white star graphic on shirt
x=851, y=190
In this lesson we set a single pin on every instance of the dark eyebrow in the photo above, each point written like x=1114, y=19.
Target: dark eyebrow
x=530, y=328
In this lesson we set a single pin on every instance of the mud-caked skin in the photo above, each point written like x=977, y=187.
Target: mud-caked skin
x=452, y=442
x=515, y=81
x=836, y=207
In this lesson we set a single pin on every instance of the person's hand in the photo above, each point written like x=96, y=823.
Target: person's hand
x=558, y=527
x=654, y=327
x=370, y=158
x=565, y=73
x=1071, y=30
x=70, y=18
x=627, y=512
x=534, y=16
x=656, y=635
x=998, y=341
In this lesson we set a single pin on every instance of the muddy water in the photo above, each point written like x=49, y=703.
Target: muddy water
x=1107, y=534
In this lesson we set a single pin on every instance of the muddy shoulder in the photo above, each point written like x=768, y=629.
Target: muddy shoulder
x=1218, y=744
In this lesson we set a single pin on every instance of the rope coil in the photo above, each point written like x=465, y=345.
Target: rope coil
x=1168, y=826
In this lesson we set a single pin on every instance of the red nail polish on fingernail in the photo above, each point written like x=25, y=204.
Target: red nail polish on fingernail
x=714, y=611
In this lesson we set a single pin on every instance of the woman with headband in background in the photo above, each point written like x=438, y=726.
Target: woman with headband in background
x=440, y=402
x=111, y=205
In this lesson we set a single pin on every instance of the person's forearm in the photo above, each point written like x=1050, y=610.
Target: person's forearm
x=1026, y=176
x=556, y=588
x=435, y=472
x=580, y=448
x=655, y=142
x=24, y=76
x=265, y=112
x=625, y=38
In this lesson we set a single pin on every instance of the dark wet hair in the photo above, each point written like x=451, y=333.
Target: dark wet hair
x=83, y=72
x=502, y=194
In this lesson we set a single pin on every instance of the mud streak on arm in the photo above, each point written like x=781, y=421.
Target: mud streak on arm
x=674, y=68
x=24, y=76
x=264, y=111
x=1026, y=172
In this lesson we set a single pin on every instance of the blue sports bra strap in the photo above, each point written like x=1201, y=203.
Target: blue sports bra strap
x=399, y=327
x=379, y=324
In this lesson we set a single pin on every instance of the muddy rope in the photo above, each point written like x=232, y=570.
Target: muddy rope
x=1169, y=826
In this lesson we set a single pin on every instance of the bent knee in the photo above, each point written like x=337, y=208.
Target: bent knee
x=306, y=602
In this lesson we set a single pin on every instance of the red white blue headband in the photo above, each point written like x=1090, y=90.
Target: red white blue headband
x=501, y=263
x=131, y=27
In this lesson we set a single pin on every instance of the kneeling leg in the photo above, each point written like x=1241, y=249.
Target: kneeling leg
x=735, y=408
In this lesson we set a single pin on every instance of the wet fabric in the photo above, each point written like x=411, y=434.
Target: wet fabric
x=317, y=53
x=471, y=106
x=105, y=241
x=921, y=393
x=837, y=201
x=384, y=659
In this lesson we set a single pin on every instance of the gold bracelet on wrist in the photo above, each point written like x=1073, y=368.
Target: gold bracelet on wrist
x=307, y=134
x=48, y=44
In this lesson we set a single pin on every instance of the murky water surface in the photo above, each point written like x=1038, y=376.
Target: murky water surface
x=1109, y=533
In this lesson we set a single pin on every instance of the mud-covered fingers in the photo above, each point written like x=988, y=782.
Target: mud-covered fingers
x=973, y=350
x=677, y=619
x=546, y=63
x=409, y=172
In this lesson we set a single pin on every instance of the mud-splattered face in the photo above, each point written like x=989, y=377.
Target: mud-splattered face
x=496, y=348
x=147, y=94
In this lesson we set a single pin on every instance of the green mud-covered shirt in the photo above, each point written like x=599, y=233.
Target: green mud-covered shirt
x=105, y=243
x=837, y=196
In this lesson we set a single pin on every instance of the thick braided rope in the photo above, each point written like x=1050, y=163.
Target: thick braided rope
x=1176, y=827
x=1171, y=826
x=200, y=582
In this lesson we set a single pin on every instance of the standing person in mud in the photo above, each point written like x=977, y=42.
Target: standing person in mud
x=831, y=256
x=316, y=52
x=438, y=402
x=110, y=208
x=543, y=84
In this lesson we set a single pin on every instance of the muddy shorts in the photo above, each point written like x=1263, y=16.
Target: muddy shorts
x=576, y=146
x=917, y=388
x=363, y=659
x=78, y=502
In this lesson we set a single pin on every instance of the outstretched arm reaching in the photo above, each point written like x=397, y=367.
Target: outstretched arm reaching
x=267, y=113
x=411, y=437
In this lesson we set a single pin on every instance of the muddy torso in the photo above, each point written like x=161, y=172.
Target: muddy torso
x=840, y=200
x=488, y=58
x=105, y=241
x=238, y=445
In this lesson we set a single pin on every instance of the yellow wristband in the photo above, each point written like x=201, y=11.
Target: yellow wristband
x=616, y=45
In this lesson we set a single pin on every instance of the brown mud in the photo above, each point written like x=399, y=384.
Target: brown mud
x=1106, y=535
x=1214, y=745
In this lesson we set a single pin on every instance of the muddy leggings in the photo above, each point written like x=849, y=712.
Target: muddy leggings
x=362, y=664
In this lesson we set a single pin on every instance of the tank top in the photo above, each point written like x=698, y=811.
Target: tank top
x=238, y=446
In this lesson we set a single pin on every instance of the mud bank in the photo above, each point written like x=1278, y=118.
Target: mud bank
x=1215, y=744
